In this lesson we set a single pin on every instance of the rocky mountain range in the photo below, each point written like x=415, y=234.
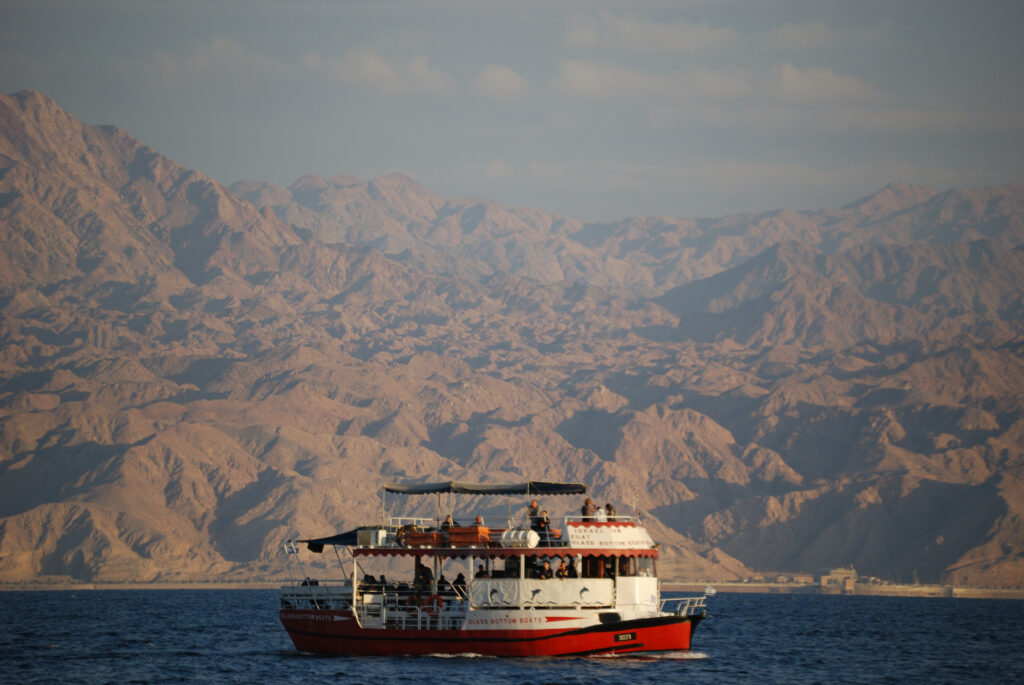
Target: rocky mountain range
x=192, y=374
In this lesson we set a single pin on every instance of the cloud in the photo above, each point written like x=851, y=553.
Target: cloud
x=367, y=69
x=813, y=84
x=594, y=81
x=782, y=84
x=803, y=36
x=222, y=60
x=606, y=81
x=634, y=34
x=498, y=170
x=812, y=35
x=500, y=83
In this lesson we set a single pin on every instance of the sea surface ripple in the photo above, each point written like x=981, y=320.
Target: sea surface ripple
x=229, y=636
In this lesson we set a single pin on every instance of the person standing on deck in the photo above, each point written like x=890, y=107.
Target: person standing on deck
x=589, y=509
x=542, y=524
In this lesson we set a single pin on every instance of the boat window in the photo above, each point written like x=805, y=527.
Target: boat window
x=594, y=567
x=645, y=567
x=511, y=568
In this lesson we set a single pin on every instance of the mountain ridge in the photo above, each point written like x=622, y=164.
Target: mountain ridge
x=190, y=376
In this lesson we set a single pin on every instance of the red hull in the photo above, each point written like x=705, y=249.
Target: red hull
x=335, y=632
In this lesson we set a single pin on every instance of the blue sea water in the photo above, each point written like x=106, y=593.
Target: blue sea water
x=229, y=636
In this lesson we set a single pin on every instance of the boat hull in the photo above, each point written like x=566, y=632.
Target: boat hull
x=336, y=632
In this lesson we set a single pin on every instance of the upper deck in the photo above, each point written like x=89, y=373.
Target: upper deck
x=560, y=535
x=622, y=536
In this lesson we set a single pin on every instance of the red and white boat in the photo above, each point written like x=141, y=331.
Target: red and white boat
x=607, y=599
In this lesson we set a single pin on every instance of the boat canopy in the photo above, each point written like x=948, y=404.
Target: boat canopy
x=533, y=487
x=346, y=539
x=504, y=552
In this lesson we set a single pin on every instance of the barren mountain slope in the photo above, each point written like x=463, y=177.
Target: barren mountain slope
x=187, y=380
x=648, y=255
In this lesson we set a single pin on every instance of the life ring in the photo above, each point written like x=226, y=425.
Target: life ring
x=433, y=605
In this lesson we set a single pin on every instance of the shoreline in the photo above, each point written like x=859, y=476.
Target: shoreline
x=37, y=586
x=860, y=589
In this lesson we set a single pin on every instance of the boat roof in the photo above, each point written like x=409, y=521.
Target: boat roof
x=532, y=487
x=502, y=552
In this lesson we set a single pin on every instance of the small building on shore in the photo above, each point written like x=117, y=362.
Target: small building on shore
x=843, y=580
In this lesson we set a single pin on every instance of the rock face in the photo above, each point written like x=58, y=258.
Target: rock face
x=191, y=374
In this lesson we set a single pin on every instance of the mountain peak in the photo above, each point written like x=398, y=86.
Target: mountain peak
x=892, y=198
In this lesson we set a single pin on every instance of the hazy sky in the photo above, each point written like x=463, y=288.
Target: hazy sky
x=596, y=110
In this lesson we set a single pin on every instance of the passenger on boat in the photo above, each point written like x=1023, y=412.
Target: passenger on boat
x=443, y=586
x=479, y=521
x=589, y=508
x=448, y=523
x=459, y=585
x=482, y=572
x=422, y=575
x=601, y=514
x=572, y=573
x=563, y=571
x=610, y=511
x=542, y=524
x=544, y=572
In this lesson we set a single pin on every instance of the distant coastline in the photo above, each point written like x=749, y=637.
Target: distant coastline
x=860, y=589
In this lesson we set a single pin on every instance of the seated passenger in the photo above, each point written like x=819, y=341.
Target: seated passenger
x=563, y=571
x=448, y=523
x=544, y=572
x=482, y=572
x=610, y=511
x=422, y=576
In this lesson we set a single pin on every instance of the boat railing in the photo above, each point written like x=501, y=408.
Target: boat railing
x=577, y=518
x=408, y=608
x=418, y=521
x=685, y=606
x=317, y=594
